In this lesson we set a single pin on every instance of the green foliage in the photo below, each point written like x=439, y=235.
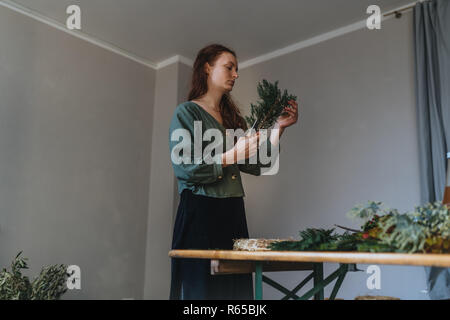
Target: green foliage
x=434, y=217
x=426, y=229
x=369, y=211
x=264, y=114
x=326, y=240
x=311, y=239
x=49, y=285
x=14, y=286
x=373, y=245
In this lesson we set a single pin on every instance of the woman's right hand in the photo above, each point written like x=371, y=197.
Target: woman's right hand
x=246, y=147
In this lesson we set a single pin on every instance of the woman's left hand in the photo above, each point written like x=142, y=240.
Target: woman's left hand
x=291, y=117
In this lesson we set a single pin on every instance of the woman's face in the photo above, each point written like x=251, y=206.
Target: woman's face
x=224, y=72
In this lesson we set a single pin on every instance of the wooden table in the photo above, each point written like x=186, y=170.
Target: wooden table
x=231, y=261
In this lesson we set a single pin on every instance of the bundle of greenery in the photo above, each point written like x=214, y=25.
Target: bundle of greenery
x=424, y=230
x=264, y=114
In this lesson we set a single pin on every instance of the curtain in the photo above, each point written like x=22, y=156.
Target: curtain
x=432, y=61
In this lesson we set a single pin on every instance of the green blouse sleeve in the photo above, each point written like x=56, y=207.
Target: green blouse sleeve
x=191, y=173
x=255, y=169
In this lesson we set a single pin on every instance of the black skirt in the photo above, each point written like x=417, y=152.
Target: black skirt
x=208, y=223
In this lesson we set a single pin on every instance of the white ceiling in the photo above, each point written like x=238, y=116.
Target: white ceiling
x=156, y=30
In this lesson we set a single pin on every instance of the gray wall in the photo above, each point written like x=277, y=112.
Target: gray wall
x=163, y=196
x=157, y=275
x=75, y=141
x=356, y=140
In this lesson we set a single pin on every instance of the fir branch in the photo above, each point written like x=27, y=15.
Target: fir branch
x=270, y=107
x=268, y=113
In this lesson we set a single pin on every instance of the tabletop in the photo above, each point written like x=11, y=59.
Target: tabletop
x=413, y=259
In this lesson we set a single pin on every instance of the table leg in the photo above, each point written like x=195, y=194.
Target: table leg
x=343, y=271
x=258, y=280
x=318, y=277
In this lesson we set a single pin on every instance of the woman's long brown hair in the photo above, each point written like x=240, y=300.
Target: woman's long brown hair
x=231, y=116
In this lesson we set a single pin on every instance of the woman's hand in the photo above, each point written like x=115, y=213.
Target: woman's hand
x=292, y=116
x=246, y=147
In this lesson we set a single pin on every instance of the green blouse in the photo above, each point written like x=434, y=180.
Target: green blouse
x=208, y=179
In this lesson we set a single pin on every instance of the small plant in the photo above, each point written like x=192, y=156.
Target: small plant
x=49, y=285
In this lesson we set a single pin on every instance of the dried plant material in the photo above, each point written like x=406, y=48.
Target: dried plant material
x=255, y=244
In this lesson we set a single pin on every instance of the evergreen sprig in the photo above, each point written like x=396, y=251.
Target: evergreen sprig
x=327, y=240
x=264, y=114
x=311, y=239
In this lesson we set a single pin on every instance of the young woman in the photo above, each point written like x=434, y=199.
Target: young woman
x=211, y=211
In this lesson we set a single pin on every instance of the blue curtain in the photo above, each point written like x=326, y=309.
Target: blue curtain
x=432, y=55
